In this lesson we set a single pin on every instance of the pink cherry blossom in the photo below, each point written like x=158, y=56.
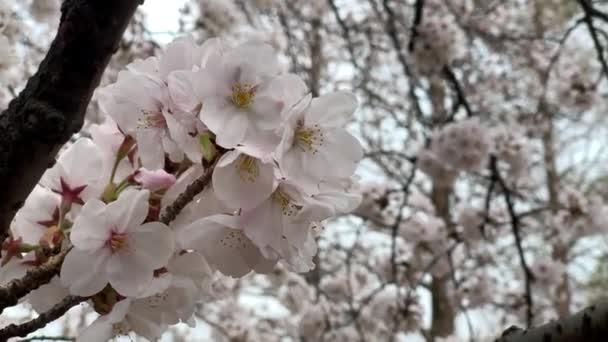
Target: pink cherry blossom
x=112, y=244
x=315, y=138
x=154, y=180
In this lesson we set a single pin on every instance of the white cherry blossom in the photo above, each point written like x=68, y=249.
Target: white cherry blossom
x=315, y=146
x=242, y=181
x=235, y=89
x=75, y=176
x=225, y=246
x=40, y=212
x=280, y=226
x=111, y=245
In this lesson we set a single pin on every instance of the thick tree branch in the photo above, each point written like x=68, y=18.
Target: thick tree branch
x=51, y=107
x=33, y=279
x=589, y=325
x=39, y=322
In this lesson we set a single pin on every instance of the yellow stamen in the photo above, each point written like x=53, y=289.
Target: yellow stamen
x=242, y=95
x=151, y=119
x=308, y=138
x=248, y=169
x=288, y=208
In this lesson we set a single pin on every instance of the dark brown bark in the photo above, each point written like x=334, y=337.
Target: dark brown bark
x=41, y=321
x=33, y=279
x=589, y=325
x=52, y=106
x=444, y=315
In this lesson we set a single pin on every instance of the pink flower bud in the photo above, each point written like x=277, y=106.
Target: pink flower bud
x=154, y=180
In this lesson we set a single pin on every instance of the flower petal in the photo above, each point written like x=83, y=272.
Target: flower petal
x=82, y=273
x=90, y=230
x=128, y=211
x=181, y=90
x=332, y=110
x=227, y=249
x=128, y=275
x=153, y=244
x=244, y=182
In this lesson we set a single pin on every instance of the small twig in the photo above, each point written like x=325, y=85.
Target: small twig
x=460, y=96
x=214, y=325
x=186, y=197
x=488, y=200
x=39, y=322
x=590, y=12
x=48, y=338
x=515, y=227
x=418, y=14
x=33, y=279
x=392, y=31
x=398, y=219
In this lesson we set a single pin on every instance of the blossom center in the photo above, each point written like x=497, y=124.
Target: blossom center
x=248, y=169
x=157, y=300
x=70, y=194
x=242, y=95
x=309, y=139
x=288, y=208
x=151, y=120
x=120, y=329
x=117, y=241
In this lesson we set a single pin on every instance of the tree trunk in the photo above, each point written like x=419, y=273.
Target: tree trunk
x=52, y=106
x=442, y=323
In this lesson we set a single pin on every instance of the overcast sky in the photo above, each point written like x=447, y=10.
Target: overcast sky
x=162, y=16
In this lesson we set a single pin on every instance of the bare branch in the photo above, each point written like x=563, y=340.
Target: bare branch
x=39, y=322
x=588, y=325
x=589, y=13
x=186, y=197
x=418, y=14
x=33, y=279
x=515, y=227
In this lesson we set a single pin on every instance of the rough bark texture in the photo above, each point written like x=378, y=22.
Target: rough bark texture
x=589, y=325
x=442, y=323
x=51, y=107
x=41, y=321
x=33, y=279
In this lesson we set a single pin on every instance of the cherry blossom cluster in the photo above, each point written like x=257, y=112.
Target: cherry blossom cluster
x=575, y=81
x=461, y=146
x=272, y=163
x=439, y=43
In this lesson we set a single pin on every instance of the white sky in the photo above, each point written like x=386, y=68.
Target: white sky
x=162, y=16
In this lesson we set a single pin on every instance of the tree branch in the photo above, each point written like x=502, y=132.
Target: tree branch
x=589, y=325
x=39, y=322
x=516, y=229
x=186, y=197
x=33, y=279
x=418, y=14
x=590, y=12
x=52, y=106
x=48, y=338
x=461, y=99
